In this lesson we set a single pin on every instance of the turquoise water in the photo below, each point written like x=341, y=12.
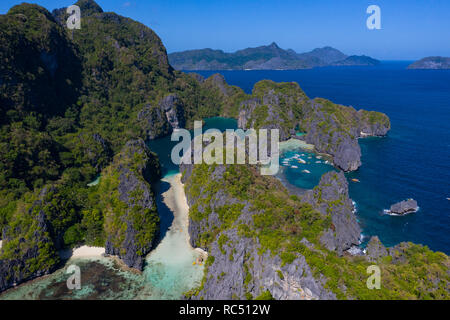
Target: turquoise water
x=100, y=279
x=95, y=182
x=294, y=168
x=163, y=146
x=413, y=161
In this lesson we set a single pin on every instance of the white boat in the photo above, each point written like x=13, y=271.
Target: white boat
x=294, y=167
x=306, y=171
x=301, y=160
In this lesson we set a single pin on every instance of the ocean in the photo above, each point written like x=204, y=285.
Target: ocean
x=413, y=161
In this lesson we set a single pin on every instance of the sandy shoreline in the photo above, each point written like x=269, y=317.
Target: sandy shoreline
x=175, y=199
x=82, y=252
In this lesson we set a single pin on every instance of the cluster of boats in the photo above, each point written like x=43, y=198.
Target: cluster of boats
x=298, y=159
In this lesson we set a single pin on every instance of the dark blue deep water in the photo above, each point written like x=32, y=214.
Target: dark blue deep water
x=413, y=161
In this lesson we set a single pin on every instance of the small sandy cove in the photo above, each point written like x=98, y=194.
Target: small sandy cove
x=82, y=252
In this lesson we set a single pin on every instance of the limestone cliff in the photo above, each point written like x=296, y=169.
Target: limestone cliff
x=28, y=249
x=131, y=218
x=331, y=197
x=160, y=121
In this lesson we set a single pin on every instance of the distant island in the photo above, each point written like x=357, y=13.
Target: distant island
x=270, y=57
x=433, y=63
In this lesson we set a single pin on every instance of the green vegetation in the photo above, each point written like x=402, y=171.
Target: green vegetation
x=266, y=295
x=69, y=102
x=223, y=239
x=280, y=222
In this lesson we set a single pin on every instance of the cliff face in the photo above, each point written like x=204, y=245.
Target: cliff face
x=331, y=197
x=36, y=59
x=29, y=249
x=333, y=129
x=238, y=266
x=131, y=219
x=160, y=121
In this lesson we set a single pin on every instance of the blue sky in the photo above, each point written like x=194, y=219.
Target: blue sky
x=411, y=29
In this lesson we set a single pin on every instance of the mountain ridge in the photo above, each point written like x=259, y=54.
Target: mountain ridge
x=269, y=57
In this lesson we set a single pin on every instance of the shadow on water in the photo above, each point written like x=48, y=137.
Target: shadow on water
x=165, y=214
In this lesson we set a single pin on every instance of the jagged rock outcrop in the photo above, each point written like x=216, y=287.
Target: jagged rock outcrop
x=218, y=81
x=404, y=207
x=372, y=124
x=375, y=249
x=328, y=135
x=331, y=197
x=239, y=271
x=174, y=110
x=160, y=121
x=132, y=226
x=28, y=250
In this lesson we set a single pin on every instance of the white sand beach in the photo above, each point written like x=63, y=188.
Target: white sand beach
x=175, y=199
x=82, y=252
x=174, y=267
